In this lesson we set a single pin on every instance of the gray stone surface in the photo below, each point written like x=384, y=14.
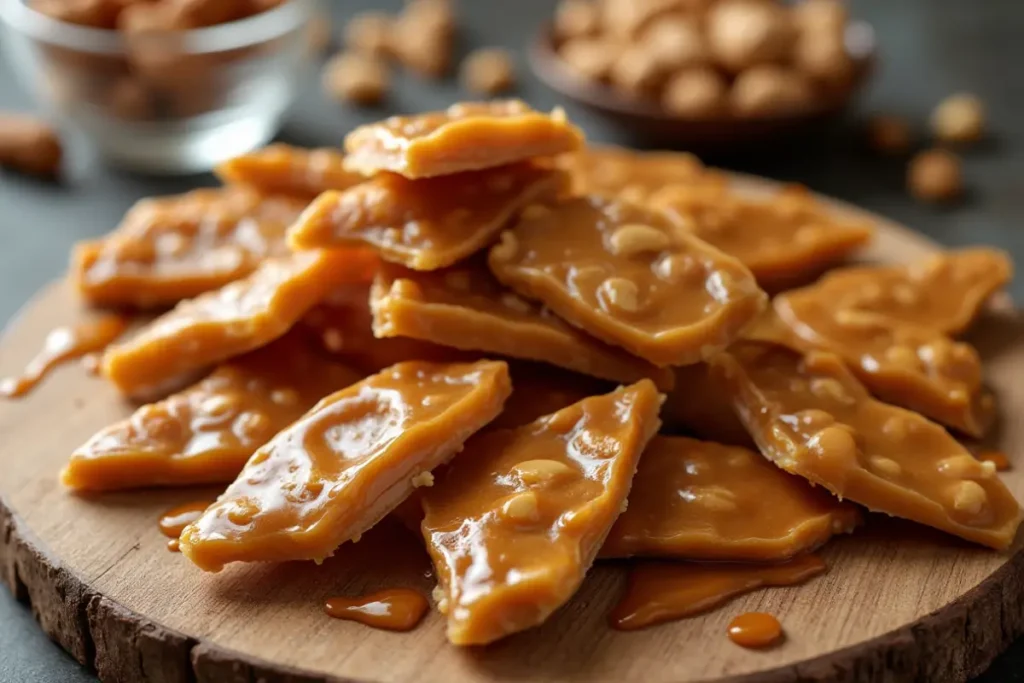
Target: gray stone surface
x=929, y=48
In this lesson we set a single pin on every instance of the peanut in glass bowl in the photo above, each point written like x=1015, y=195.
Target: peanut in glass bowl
x=164, y=102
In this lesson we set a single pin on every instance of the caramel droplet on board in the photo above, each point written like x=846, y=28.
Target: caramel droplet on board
x=172, y=545
x=393, y=609
x=63, y=344
x=174, y=520
x=660, y=592
x=755, y=629
x=998, y=458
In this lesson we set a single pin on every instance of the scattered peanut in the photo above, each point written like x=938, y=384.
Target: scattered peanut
x=356, y=78
x=488, y=71
x=959, y=119
x=29, y=145
x=934, y=176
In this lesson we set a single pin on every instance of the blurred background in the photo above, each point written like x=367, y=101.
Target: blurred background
x=924, y=51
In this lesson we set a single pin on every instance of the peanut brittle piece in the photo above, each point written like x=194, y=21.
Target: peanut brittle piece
x=943, y=293
x=286, y=170
x=465, y=137
x=464, y=307
x=700, y=500
x=514, y=524
x=629, y=276
x=347, y=463
x=811, y=417
x=205, y=434
x=628, y=174
x=910, y=366
x=425, y=224
x=172, y=248
x=228, y=322
x=343, y=325
x=785, y=239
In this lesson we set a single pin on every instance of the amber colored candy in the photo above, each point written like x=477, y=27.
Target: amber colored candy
x=287, y=170
x=514, y=524
x=425, y=224
x=785, y=239
x=172, y=248
x=628, y=174
x=347, y=463
x=913, y=367
x=944, y=293
x=342, y=325
x=464, y=307
x=755, y=629
x=629, y=276
x=228, y=322
x=811, y=417
x=393, y=609
x=205, y=434
x=700, y=500
x=658, y=591
x=465, y=137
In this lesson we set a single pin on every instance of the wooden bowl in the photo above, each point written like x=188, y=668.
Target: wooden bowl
x=647, y=122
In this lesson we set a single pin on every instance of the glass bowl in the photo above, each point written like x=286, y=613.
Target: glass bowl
x=169, y=101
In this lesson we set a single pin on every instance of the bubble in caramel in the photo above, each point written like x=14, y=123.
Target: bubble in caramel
x=346, y=463
x=465, y=137
x=629, y=276
x=513, y=525
x=811, y=417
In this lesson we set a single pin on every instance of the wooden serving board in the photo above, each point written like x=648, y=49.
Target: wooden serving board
x=900, y=602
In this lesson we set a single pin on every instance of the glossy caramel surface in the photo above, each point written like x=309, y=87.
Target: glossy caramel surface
x=943, y=293
x=62, y=345
x=811, y=417
x=660, y=592
x=630, y=276
x=206, y=433
x=700, y=500
x=514, y=524
x=466, y=308
x=282, y=169
x=465, y=137
x=392, y=609
x=627, y=174
x=171, y=248
x=348, y=462
x=785, y=239
x=911, y=366
x=425, y=224
x=228, y=322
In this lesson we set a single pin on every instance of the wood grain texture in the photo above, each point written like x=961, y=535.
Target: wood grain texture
x=900, y=602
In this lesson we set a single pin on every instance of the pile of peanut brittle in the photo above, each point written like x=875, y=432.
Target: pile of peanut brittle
x=471, y=320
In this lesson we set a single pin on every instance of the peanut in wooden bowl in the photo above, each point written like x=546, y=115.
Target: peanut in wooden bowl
x=647, y=122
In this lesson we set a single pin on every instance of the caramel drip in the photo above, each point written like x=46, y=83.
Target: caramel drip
x=63, y=344
x=176, y=519
x=755, y=629
x=660, y=592
x=997, y=458
x=392, y=609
